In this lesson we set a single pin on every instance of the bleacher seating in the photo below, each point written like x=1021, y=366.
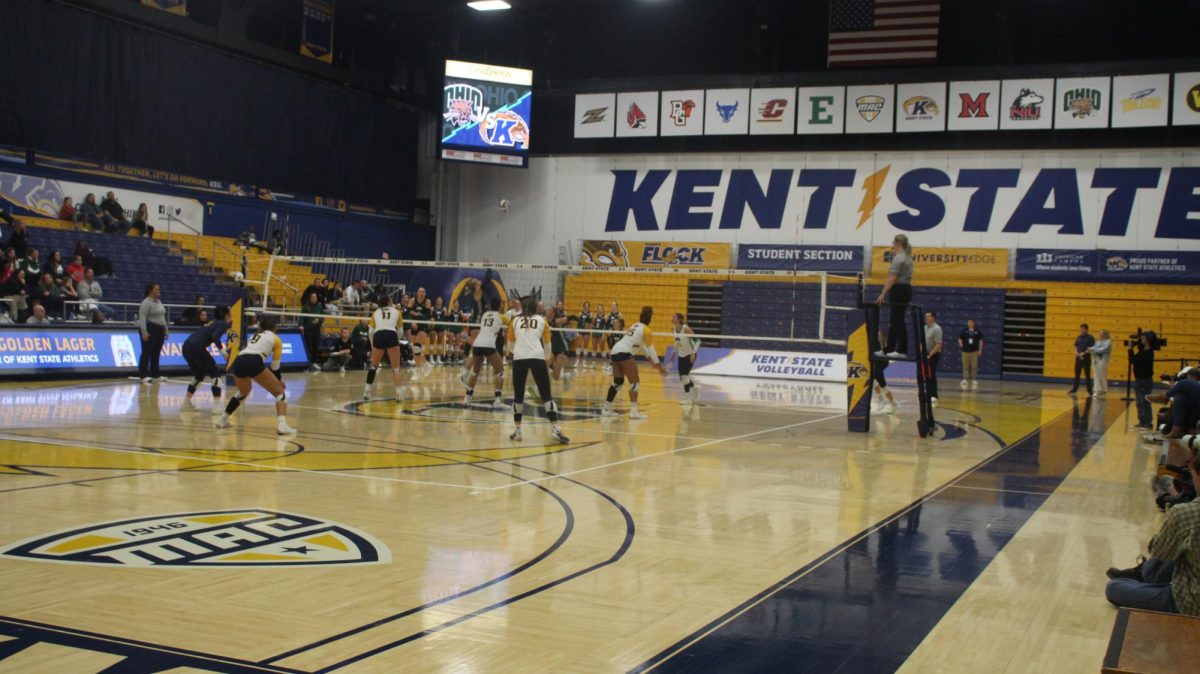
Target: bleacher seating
x=666, y=293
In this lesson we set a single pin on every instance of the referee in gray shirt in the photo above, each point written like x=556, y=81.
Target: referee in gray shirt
x=898, y=292
x=933, y=346
x=152, y=323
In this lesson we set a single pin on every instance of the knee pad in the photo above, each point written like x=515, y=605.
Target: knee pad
x=396, y=370
x=518, y=408
x=281, y=397
x=551, y=406
x=191, y=388
x=634, y=388
x=685, y=380
x=240, y=396
x=618, y=383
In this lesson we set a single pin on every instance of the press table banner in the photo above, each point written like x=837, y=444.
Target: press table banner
x=946, y=263
x=656, y=254
x=771, y=364
x=317, y=39
x=1112, y=266
x=103, y=350
x=790, y=257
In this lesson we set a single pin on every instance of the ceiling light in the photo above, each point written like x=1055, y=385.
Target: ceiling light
x=489, y=5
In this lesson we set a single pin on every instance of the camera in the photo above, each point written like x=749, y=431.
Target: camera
x=1152, y=340
x=1191, y=442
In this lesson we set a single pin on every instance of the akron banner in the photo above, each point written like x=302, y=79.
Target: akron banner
x=1112, y=266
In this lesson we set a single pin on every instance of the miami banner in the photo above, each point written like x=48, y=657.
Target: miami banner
x=316, y=40
x=178, y=7
x=656, y=254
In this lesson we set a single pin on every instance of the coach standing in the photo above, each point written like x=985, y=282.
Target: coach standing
x=933, y=348
x=1083, y=358
x=898, y=292
x=970, y=343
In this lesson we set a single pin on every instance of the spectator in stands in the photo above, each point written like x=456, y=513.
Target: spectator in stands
x=93, y=215
x=1169, y=580
x=68, y=211
x=333, y=298
x=32, y=266
x=18, y=241
x=340, y=353
x=100, y=264
x=190, y=315
x=152, y=323
x=970, y=343
x=7, y=269
x=56, y=267
x=141, y=222
x=37, y=316
x=1100, y=353
x=119, y=223
x=90, y=294
x=1185, y=404
x=311, y=326
x=15, y=292
x=277, y=242
x=6, y=215
x=933, y=349
x=76, y=270
x=49, y=294
x=1083, y=360
x=352, y=296
x=1141, y=357
x=898, y=292
x=317, y=286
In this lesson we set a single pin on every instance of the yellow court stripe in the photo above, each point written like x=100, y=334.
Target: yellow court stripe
x=327, y=540
x=82, y=542
x=256, y=557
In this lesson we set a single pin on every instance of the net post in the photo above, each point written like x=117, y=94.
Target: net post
x=267, y=280
x=860, y=375
x=824, y=303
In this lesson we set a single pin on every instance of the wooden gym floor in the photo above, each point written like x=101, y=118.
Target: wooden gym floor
x=750, y=532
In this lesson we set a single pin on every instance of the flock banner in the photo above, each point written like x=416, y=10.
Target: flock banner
x=656, y=254
x=980, y=264
x=1112, y=266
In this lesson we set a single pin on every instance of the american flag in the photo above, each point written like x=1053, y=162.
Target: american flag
x=882, y=32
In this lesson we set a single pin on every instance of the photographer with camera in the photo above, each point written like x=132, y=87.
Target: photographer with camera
x=1141, y=358
x=1185, y=404
x=1169, y=581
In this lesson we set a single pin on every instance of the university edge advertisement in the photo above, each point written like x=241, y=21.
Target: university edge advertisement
x=101, y=350
x=1085, y=199
x=980, y=264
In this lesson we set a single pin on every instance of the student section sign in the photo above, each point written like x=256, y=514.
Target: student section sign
x=1113, y=266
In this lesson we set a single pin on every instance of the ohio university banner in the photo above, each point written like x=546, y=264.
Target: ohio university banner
x=1113, y=266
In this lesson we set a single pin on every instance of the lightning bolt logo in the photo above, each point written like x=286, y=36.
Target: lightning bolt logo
x=871, y=187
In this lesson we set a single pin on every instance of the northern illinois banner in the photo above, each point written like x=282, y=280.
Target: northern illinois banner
x=946, y=263
x=656, y=254
x=178, y=7
x=316, y=40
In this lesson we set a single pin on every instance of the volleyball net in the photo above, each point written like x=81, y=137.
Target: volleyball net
x=778, y=310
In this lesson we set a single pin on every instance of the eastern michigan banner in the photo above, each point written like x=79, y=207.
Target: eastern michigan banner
x=178, y=7
x=946, y=263
x=317, y=30
x=656, y=254
x=1113, y=266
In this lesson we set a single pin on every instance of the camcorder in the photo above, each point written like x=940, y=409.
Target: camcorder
x=1152, y=339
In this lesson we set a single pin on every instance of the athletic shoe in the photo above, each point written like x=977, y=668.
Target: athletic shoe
x=608, y=369
x=466, y=399
x=367, y=393
x=896, y=354
x=892, y=408
x=974, y=384
x=222, y=422
x=187, y=405
x=147, y=380
x=636, y=415
x=558, y=435
x=963, y=384
x=933, y=402
x=499, y=404
x=162, y=378
x=218, y=408
x=342, y=369
x=464, y=378
x=880, y=353
x=284, y=429
x=609, y=412
x=1132, y=573
x=515, y=436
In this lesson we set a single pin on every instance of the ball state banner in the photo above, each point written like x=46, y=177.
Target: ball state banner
x=486, y=113
x=317, y=28
x=787, y=257
x=1112, y=266
x=771, y=364
x=27, y=351
x=946, y=263
x=656, y=254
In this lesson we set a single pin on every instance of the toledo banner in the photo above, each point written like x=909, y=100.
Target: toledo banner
x=946, y=263
x=656, y=254
x=316, y=39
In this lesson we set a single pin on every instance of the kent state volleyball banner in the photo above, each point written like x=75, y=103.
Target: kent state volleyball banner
x=1112, y=266
x=946, y=263
x=656, y=254
x=800, y=258
x=772, y=364
x=102, y=350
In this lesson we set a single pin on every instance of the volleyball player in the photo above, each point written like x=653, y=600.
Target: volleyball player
x=529, y=335
x=514, y=310
x=687, y=346
x=599, y=339
x=419, y=313
x=453, y=332
x=559, y=342
x=385, y=339
x=251, y=366
x=438, y=349
x=200, y=361
x=625, y=367
x=585, y=334
x=490, y=326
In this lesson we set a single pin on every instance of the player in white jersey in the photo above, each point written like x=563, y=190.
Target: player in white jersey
x=687, y=346
x=385, y=328
x=625, y=367
x=484, y=348
x=251, y=366
x=529, y=337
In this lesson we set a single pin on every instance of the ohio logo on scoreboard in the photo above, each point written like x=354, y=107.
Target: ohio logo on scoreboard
x=219, y=538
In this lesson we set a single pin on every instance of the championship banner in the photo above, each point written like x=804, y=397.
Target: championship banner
x=316, y=39
x=771, y=364
x=1111, y=266
x=656, y=254
x=978, y=264
x=788, y=257
x=177, y=7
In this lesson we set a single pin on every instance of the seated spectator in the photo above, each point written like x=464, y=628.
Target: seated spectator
x=277, y=243
x=37, y=316
x=101, y=265
x=1169, y=581
x=318, y=286
x=93, y=215
x=19, y=239
x=340, y=353
x=32, y=266
x=141, y=222
x=49, y=294
x=7, y=269
x=75, y=270
x=56, y=267
x=333, y=298
x=1185, y=404
x=68, y=211
x=90, y=294
x=352, y=296
x=119, y=223
x=5, y=319
x=190, y=315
